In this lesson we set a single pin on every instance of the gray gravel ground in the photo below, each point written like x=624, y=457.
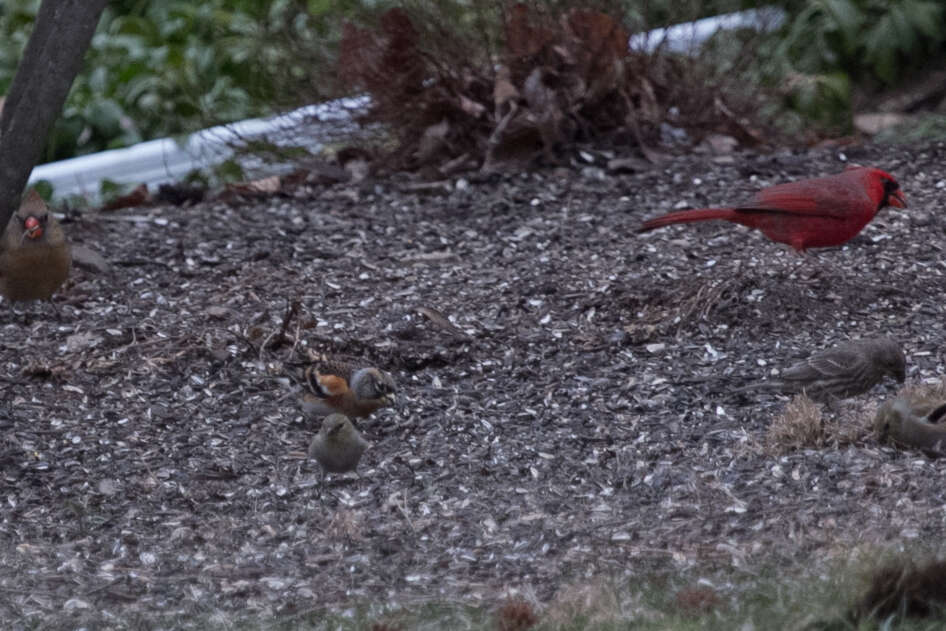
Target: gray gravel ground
x=575, y=422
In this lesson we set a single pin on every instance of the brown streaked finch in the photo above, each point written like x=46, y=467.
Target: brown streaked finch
x=841, y=372
x=912, y=424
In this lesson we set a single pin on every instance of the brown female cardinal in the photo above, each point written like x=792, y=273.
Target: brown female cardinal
x=34, y=253
x=847, y=370
x=816, y=213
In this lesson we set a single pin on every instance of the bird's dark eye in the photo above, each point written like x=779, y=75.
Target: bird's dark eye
x=890, y=186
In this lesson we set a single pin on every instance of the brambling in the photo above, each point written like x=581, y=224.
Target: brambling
x=340, y=386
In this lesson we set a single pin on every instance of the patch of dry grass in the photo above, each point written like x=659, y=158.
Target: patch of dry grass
x=804, y=425
x=698, y=600
x=800, y=425
x=596, y=602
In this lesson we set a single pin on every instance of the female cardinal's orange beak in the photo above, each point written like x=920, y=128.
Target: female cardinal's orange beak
x=896, y=199
x=34, y=230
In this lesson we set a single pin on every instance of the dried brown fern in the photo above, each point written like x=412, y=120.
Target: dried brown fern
x=554, y=75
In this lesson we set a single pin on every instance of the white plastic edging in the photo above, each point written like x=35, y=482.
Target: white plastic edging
x=155, y=162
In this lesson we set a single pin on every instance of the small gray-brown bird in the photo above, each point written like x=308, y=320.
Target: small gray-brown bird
x=340, y=386
x=841, y=372
x=34, y=254
x=911, y=423
x=338, y=446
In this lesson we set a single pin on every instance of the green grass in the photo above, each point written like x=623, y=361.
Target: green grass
x=800, y=597
x=810, y=596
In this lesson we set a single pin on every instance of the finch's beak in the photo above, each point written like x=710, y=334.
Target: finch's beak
x=34, y=230
x=391, y=399
x=897, y=199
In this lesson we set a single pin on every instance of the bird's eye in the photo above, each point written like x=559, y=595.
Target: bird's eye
x=890, y=186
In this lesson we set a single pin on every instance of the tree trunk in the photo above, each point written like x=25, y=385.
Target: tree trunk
x=50, y=63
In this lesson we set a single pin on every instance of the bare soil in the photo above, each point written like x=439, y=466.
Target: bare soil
x=576, y=422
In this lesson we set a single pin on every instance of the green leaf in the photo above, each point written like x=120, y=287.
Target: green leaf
x=905, y=36
x=44, y=188
x=849, y=19
x=109, y=189
x=880, y=47
x=105, y=116
x=927, y=17
x=320, y=7
x=229, y=171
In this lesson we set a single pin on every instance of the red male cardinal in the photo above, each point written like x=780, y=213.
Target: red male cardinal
x=815, y=213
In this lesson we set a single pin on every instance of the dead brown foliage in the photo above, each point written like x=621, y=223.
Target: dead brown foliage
x=516, y=615
x=904, y=589
x=697, y=600
x=455, y=102
x=387, y=60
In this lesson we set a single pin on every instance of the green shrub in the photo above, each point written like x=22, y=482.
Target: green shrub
x=830, y=48
x=158, y=69
x=872, y=40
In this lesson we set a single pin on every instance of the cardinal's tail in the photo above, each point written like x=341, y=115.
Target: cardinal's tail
x=688, y=216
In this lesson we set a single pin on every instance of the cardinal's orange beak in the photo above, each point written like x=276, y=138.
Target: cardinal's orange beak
x=896, y=199
x=34, y=230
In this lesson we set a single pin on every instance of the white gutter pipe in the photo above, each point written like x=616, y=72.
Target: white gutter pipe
x=155, y=162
